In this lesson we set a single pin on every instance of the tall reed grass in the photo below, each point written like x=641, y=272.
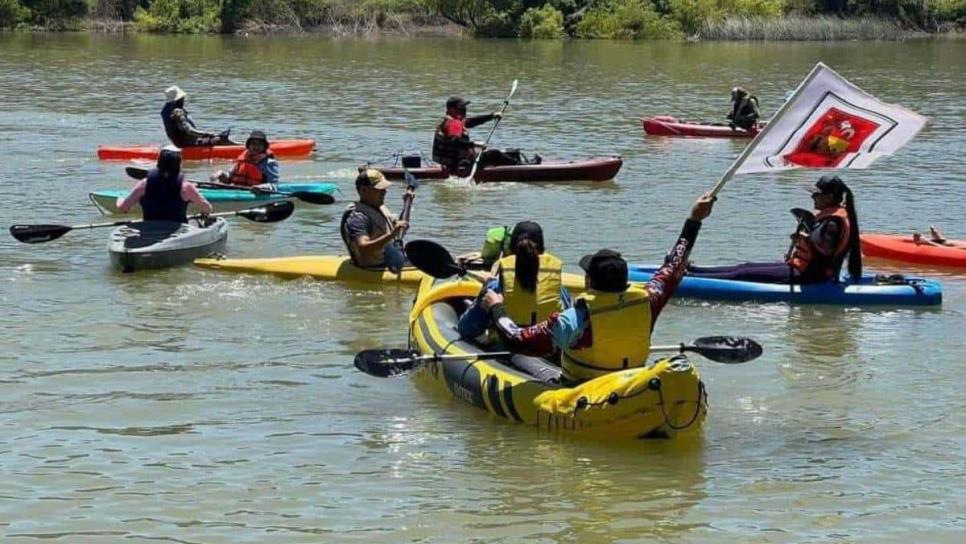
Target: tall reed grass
x=798, y=28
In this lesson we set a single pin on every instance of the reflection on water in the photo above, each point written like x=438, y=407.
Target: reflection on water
x=191, y=405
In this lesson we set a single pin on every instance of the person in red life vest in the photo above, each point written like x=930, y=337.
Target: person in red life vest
x=452, y=146
x=179, y=127
x=608, y=328
x=819, y=246
x=164, y=195
x=255, y=166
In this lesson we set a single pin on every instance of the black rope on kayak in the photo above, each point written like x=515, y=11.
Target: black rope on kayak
x=702, y=402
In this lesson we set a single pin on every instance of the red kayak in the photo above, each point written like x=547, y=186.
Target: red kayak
x=593, y=169
x=904, y=248
x=281, y=148
x=665, y=125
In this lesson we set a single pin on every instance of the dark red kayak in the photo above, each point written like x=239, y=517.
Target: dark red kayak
x=593, y=169
x=665, y=125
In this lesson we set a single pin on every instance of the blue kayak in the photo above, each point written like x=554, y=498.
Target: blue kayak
x=867, y=291
x=222, y=200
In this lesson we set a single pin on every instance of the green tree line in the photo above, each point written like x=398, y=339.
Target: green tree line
x=546, y=19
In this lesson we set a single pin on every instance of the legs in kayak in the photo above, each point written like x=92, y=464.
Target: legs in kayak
x=777, y=272
x=936, y=238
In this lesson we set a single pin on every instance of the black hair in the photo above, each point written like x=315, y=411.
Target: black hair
x=527, y=264
x=855, y=251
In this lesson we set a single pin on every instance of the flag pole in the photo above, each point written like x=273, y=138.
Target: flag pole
x=751, y=146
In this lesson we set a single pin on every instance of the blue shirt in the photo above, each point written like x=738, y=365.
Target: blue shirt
x=475, y=319
x=269, y=168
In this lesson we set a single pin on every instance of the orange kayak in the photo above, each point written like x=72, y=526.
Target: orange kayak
x=904, y=248
x=281, y=148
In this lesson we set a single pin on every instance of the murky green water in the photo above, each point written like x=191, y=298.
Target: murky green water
x=195, y=406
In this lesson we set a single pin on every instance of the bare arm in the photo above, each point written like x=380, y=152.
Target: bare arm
x=125, y=203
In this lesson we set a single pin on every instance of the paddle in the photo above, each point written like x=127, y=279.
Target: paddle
x=476, y=161
x=311, y=197
x=271, y=212
x=393, y=254
x=433, y=259
x=383, y=363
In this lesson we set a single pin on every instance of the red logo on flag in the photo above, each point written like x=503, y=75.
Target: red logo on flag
x=830, y=139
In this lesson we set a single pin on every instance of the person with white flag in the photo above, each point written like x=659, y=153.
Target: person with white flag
x=826, y=123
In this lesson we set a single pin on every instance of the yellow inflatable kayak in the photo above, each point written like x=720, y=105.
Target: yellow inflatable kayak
x=664, y=400
x=335, y=268
x=326, y=268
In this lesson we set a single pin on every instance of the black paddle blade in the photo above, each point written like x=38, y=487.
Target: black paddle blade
x=726, y=349
x=313, y=197
x=38, y=234
x=383, y=363
x=804, y=217
x=136, y=172
x=410, y=179
x=269, y=213
x=432, y=258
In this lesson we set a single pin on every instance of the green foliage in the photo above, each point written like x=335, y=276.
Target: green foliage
x=949, y=10
x=179, y=16
x=544, y=23
x=12, y=13
x=693, y=14
x=626, y=19
x=55, y=13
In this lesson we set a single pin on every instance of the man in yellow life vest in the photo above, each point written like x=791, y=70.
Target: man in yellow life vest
x=528, y=278
x=609, y=326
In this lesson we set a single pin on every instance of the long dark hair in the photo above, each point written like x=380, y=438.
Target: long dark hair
x=855, y=251
x=526, y=243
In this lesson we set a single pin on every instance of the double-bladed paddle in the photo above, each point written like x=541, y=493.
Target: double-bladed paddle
x=476, y=161
x=434, y=260
x=270, y=212
x=312, y=197
x=384, y=363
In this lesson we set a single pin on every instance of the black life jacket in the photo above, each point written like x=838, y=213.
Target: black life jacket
x=171, y=126
x=162, y=199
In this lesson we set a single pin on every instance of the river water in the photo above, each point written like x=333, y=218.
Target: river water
x=197, y=406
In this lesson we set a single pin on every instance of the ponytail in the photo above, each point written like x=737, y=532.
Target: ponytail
x=855, y=249
x=527, y=264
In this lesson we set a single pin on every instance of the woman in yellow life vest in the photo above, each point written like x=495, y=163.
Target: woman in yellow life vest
x=529, y=279
x=608, y=328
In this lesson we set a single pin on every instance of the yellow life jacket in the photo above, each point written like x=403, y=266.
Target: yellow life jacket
x=530, y=308
x=621, y=334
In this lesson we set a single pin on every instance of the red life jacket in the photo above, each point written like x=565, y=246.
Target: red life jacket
x=246, y=170
x=807, y=260
x=447, y=148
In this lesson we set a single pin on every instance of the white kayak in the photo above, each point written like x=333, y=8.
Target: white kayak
x=162, y=244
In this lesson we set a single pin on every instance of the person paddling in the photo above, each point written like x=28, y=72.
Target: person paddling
x=163, y=194
x=744, y=110
x=368, y=228
x=452, y=146
x=609, y=326
x=818, y=249
x=179, y=127
x=529, y=279
x=255, y=166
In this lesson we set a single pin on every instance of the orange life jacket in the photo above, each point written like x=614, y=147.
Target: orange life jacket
x=246, y=170
x=805, y=257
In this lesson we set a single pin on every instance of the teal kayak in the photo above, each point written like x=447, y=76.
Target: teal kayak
x=223, y=200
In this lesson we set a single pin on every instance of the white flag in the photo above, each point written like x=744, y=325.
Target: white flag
x=828, y=123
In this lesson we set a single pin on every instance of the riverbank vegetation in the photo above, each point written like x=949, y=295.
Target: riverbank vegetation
x=539, y=19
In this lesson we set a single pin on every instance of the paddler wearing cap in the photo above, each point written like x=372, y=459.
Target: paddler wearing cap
x=744, y=110
x=819, y=246
x=255, y=166
x=163, y=194
x=609, y=326
x=179, y=127
x=529, y=279
x=452, y=146
x=368, y=227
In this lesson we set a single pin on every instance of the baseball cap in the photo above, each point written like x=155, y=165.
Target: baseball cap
x=370, y=177
x=607, y=270
x=829, y=185
x=456, y=102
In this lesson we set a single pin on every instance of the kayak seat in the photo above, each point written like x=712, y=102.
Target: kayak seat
x=146, y=234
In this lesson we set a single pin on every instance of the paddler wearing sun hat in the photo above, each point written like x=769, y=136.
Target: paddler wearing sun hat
x=179, y=127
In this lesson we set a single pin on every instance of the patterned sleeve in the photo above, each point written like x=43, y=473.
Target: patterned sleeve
x=667, y=278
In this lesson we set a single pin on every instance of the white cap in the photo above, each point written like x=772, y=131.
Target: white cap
x=173, y=93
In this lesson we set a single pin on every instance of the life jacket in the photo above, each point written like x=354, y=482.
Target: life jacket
x=174, y=133
x=813, y=264
x=745, y=114
x=448, y=150
x=162, y=199
x=247, y=171
x=381, y=221
x=526, y=308
x=620, y=328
